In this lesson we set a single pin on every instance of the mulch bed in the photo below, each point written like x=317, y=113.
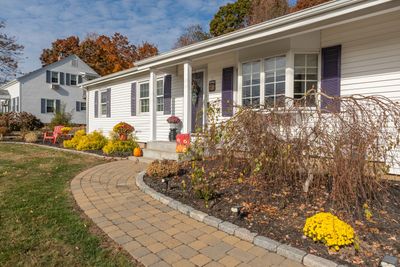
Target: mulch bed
x=281, y=215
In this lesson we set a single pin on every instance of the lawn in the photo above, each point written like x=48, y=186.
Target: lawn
x=39, y=222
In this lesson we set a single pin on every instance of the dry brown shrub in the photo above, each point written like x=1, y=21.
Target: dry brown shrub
x=163, y=169
x=31, y=137
x=347, y=152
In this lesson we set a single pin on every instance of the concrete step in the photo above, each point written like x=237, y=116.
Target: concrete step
x=159, y=154
x=161, y=146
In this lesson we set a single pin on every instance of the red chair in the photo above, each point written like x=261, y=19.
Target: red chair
x=54, y=135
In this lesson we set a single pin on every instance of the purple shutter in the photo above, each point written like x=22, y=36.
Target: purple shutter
x=68, y=79
x=227, y=92
x=96, y=104
x=108, y=102
x=48, y=73
x=330, y=78
x=78, y=106
x=62, y=78
x=133, y=99
x=42, y=105
x=58, y=106
x=167, y=94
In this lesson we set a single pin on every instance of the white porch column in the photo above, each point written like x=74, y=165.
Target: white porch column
x=187, y=97
x=153, y=103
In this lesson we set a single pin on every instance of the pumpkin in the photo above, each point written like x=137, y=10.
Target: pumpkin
x=137, y=152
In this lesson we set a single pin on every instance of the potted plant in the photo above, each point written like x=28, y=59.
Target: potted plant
x=123, y=129
x=173, y=127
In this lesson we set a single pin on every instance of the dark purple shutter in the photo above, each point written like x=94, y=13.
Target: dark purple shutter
x=330, y=78
x=68, y=79
x=133, y=99
x=96, y=104
x=78, y=106
x=167, y=94
x=62, y=78
x=227, y=92
x=108, y=102
x=58, y=106
x=48, y=73
x=43, y=105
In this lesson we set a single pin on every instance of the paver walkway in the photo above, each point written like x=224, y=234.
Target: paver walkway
x=153, y=233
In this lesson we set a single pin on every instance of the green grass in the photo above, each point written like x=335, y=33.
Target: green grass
x=39, y=225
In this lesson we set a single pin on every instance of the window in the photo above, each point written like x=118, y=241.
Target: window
x=74, y=63
x=275, y=69
x=54, y=77
x=251, y=84
x=144, y=97
x=50, y=106
x=103, y=103
x=83, y=106
x=73, y=79
x=160, y=95
x=305, y=76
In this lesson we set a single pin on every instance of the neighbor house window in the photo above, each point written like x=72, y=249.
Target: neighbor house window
x=103, y=103
x=83, y=106
x=160, y=95
x=144, y=97
x=275, y=69
x=305, y=76
x=73, y=79
x=50, y=106
x=251, y=83
x=54, y=77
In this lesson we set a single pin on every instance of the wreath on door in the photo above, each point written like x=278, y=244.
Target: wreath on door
x=195, y=92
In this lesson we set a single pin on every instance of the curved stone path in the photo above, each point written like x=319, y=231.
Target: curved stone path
x=153, y=233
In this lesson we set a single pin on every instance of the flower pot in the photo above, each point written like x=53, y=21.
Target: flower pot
x=173, y=125
x=123, y=137
x=172, y=134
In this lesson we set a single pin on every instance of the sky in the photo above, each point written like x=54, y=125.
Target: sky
x=37, y=23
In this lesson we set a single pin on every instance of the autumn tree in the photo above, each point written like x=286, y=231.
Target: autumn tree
x=230, y=17
x=262, y=10
x=102, y=53
x=303, y=4
x=192, y=34
x=9, y=55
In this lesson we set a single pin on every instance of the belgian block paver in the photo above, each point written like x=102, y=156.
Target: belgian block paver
x=154, y=233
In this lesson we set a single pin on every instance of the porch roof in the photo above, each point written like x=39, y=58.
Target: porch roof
x=312, y=19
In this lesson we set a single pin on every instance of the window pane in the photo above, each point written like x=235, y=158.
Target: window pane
x=246, y=102
x=311, y=85
x=246, y=79
x=299, y=87
x=280, y=101
x=144, y=105
x=269, y=89
x=160, y=87
x=280, y=75
x=83, y=105
x=103, y=109
x=246, y=92
x=160, y=103
x=280, y=62
x=50, y=106
x=299, y=73
x=73, y=79
x=270, y=64
x=144, y=90
x=104, y=97
x=312, y=60
x=270, y=101
x=255, y=91
x=299, y=60
x=270, y=77
x=280, y=88
x=247, y=68
x=256, y=102
x=54, y=77
x=256, y=78
x=256, y=67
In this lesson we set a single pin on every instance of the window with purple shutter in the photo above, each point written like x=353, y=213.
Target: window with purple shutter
x=108, y=102
x=167, y=94
x=227, y=92
x=330, y=78
x=133, y=99
x=96, y=104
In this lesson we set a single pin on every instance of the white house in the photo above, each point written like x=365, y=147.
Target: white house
x=51, y=88
x=345, y=47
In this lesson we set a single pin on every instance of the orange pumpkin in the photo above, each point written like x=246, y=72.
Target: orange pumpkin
x=137, y=152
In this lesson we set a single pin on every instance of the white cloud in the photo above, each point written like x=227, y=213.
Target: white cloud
x=36, y=23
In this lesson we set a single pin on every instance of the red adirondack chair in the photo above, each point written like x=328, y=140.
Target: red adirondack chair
x=53, y=136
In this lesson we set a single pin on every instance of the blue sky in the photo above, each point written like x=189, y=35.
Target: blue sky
x=36, y=23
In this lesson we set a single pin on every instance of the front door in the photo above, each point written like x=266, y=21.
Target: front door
x=197, y=101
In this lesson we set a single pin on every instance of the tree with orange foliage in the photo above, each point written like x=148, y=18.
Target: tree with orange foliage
x=303, y=4
x=102, y=53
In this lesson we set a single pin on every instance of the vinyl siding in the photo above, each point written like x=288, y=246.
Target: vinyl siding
x=370, y=58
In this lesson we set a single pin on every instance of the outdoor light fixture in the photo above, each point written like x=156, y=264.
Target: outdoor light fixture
x=166, y=182
x=237, y=209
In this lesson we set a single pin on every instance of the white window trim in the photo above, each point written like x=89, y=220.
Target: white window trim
x=159, y=96
x=101, y=115
x=139, y=106
x=289, y=91
x=58, y=77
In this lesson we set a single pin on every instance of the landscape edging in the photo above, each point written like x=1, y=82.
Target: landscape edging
x=287, y=251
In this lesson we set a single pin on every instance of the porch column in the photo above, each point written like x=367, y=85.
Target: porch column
x=153, y=103
x=187, y=97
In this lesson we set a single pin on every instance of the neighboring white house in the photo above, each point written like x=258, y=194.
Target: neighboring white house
x=4, y=100
x=345, y=47
x=50, y=89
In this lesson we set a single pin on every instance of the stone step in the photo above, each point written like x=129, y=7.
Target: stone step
x=161, y=146
x=160, y=154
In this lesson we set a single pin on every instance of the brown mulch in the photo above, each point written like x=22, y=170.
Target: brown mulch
x=281, y=215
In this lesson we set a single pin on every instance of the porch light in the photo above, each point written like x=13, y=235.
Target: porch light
x=166, y=182
x=237, y=209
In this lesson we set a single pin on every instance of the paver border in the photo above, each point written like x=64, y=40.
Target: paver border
x=271, y=245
